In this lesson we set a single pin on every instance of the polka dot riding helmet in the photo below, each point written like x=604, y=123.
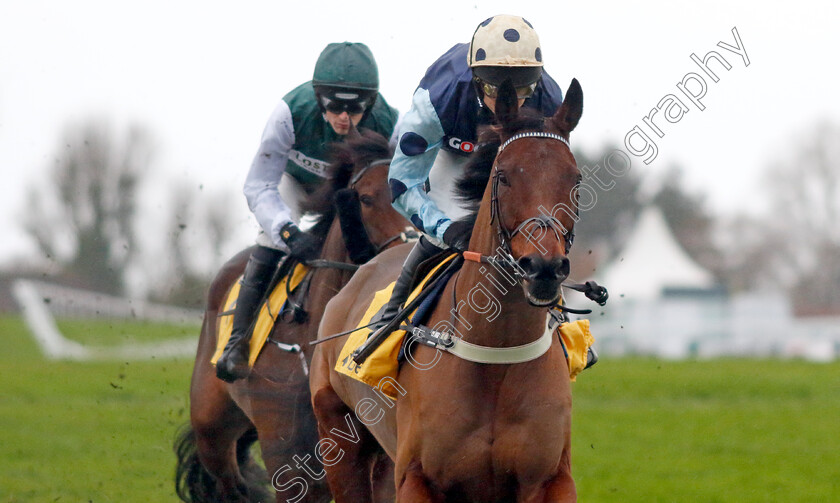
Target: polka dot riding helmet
x=506, y=47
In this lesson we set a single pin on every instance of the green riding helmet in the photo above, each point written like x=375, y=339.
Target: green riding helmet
x=346, y=78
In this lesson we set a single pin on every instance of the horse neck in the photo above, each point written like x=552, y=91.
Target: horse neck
x=324, y=284
x=331, y=279
x=491, y=301
x=334, y=248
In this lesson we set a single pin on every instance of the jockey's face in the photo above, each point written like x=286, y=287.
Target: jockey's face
x=341, y=122
x=491, y=103
x=490, y=92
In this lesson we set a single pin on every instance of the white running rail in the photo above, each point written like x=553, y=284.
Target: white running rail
x=39, y=301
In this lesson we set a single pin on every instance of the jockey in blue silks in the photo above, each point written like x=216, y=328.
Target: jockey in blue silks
x=439, y=132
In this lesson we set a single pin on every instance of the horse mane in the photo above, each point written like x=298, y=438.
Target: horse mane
x=470, y=186
x=346, y=158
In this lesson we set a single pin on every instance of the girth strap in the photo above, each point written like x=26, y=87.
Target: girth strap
x=486, y=354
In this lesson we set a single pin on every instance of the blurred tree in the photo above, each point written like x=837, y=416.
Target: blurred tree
x=805, y=222
x=604, y=229
x=606, y=226
x=199, y=230
x=745, y=257
x=81, y=214
x=688, y=220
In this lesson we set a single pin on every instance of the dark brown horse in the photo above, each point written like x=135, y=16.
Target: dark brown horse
x=274, y=402
x=462, y=430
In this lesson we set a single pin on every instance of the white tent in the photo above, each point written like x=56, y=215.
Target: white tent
x=652, y=260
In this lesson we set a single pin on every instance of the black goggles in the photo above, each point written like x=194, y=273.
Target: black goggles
x=522, y=92
x=352, y=107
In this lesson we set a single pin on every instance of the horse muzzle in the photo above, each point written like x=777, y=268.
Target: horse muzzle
x=542, y=278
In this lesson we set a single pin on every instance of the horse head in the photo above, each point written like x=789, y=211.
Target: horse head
x=531, y=194
x=358, y=193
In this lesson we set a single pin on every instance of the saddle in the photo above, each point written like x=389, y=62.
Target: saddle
x=383, y=362
x=284, y=302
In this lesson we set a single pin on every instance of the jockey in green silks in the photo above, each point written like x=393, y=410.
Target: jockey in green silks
x=290, y=164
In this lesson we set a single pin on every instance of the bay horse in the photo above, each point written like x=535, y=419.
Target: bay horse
x=273, y=403
x=462, y=431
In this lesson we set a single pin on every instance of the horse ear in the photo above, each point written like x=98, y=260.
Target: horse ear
x=567, y=116
x=507, y=105
x=354, y=133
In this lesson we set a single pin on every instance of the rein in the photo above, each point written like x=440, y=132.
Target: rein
x=503, y=258
x=298, y=313
x=332, y=264
x=408, y=234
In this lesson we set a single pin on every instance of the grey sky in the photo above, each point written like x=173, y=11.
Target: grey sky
x=203, y=77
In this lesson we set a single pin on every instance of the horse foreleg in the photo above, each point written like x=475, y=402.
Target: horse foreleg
x=216, y=438
x=382, y=478
x=288, y=435
x=347, y=449
x=217, y=421
x=415, y=488
x=561, y=489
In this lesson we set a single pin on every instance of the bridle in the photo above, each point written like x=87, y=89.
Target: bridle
x=502, y=258
x=358, y=176
x=406, y=235
x=542, y=220
x=556, y=314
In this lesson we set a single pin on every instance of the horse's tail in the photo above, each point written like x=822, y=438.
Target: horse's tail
x=194, y=484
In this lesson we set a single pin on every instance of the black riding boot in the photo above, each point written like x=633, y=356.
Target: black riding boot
x=422, y=251
x=233, y=364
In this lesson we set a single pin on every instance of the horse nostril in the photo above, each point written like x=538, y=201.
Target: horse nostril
x=561, y=267
x=525, y=263
x=536, y=267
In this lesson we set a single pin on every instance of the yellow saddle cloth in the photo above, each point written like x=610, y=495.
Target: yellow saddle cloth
x=380, y=369
x=383, y=361
x=265, y=319
x=576, y=339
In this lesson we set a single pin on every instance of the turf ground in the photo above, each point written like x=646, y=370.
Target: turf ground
x=644, y=430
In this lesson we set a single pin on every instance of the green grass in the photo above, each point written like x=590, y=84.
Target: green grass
x=711, y=431
x=644, y=430
x=110, y=332
x=78, y=432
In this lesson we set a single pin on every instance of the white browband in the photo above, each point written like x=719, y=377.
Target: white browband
x=534, y=134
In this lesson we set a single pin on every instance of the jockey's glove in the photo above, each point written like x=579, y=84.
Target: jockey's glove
x=457, y=235
x=302, y=245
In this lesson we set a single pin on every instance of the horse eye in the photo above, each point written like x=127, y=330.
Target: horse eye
x=503, y=179
x=366, y=200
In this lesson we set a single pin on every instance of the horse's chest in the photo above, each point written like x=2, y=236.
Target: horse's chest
x=520, y=435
